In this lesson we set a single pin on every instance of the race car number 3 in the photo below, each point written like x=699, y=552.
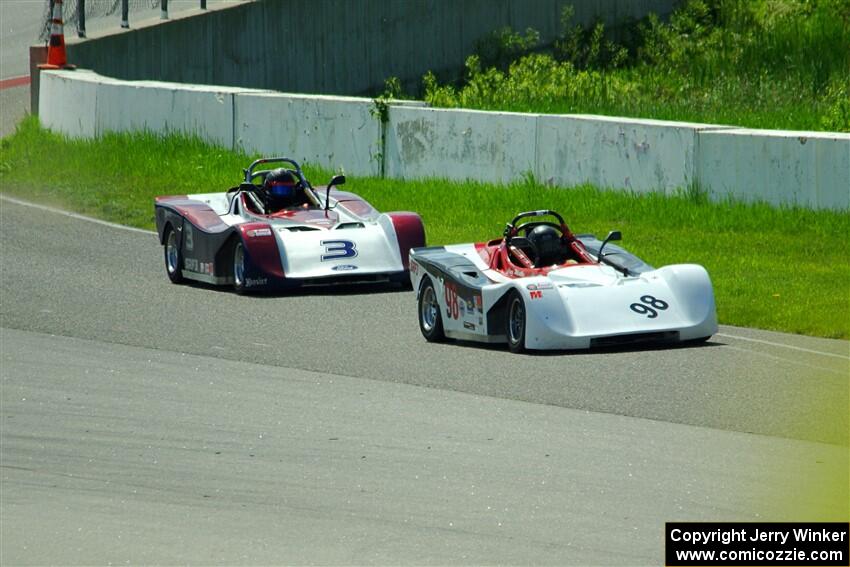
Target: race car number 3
x=649, y=306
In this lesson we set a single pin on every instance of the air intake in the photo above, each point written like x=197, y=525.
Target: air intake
x=637, y=338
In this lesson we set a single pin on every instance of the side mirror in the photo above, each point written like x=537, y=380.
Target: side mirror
x=613, y=235
x=336, y=180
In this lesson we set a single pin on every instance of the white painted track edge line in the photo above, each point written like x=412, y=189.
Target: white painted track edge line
x=782, y=345
x=785, y=360
x=73, y=215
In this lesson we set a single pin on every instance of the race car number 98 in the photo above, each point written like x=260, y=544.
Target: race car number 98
x=452, y=309
x=650, y=306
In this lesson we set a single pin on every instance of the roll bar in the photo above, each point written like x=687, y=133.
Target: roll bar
x=511, y=227
x=250, y=175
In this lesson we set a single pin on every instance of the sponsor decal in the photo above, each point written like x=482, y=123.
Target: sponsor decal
x=414, y=268
x=481, y=320
x=251, y=282
x=479, y=304
x=193, y=265
x=189, y=237
x=468, y=325
x=536, y=294
x=338, y=249
x=538, y=286
x=462, y=306
x=259, y=232
x=344, y=268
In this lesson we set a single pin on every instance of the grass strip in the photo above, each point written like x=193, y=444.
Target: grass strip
x=784, y=269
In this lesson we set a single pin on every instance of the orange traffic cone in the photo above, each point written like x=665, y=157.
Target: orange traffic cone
x=56, y=57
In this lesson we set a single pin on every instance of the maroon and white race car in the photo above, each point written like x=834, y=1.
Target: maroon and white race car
x=281, y=233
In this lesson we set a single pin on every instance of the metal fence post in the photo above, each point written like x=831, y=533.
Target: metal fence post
x=163, y=13
x=47, y=20
x=81, y=18
x=125, y=13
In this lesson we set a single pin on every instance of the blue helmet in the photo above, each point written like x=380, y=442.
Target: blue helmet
x=282, y=189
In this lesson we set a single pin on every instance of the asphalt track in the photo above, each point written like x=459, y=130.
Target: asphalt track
x=145, y=422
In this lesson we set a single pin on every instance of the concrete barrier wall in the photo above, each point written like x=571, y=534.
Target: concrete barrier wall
x=338, y=133
x=206, y=112
x=810, y=169
x=640, y=155
x=327, y=46
x=68, y=103
x=487, y=146
x=794, y=168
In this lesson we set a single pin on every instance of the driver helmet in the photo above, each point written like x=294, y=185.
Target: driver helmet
x=547, y=243
x=282, y=190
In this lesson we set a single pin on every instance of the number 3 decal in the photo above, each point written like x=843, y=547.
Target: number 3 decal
x=649, y=307
x=338, y=249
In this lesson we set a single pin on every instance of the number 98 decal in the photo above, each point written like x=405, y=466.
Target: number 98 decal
x=452, y=309
x=650, y=306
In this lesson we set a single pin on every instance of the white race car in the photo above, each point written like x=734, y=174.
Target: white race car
x=541, y=287
x=283, y=233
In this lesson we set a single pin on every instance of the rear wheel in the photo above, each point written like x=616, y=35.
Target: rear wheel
x=173, y=256
x=430, y=320
x=515, y=323
x=239, y=268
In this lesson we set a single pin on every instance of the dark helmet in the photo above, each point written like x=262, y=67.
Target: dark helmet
x=282, y=189
x=547, y=243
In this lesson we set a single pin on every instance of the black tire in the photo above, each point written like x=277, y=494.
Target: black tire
x=430, y=318
x=515, y=322
x=173, y=256
x=238, y=268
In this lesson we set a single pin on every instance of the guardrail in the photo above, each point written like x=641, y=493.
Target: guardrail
x=412, y=141
x=77, y=12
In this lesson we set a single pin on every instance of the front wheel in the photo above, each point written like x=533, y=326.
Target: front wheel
x=239, y=268
x=173, y=257
x=515, y=323
x=430, y=320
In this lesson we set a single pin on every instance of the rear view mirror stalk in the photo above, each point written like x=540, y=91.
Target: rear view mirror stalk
x=613, y=235
x=336, y=180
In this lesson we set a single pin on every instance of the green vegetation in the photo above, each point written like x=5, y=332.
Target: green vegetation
x=779, y=64
x=783, y=269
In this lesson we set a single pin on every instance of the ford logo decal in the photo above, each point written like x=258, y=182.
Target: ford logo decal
x=344, y=268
